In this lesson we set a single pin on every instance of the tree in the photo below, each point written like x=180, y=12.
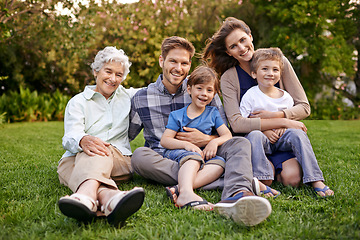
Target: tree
x=42, y=49
x=319, y=37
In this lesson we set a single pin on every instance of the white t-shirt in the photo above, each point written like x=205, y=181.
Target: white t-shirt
x=255, y=100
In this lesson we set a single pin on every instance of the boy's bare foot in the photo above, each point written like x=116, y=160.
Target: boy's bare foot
x=190, y=199
x=268, y=192
x=321, y=189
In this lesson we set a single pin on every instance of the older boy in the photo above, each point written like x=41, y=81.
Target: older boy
x=266, y=67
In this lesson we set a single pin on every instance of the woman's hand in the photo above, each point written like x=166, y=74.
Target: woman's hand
x=94, y=146
x=267, y=114
x=296, y=125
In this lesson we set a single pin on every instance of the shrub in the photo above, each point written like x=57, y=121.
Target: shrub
x=31, y=106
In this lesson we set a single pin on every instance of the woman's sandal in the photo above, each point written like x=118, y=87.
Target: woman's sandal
x=122, y=205
x=78, y=206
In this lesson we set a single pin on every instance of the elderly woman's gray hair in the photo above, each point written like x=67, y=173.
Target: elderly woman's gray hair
x=111, y=54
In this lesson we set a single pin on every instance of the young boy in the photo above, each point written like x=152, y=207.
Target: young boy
x=202, y=86
x=266, y=67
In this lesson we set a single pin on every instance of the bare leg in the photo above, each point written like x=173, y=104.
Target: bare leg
x=186, y=178
x=208, y=174
x=89, y=188
x=291, y=173
x=105, y=195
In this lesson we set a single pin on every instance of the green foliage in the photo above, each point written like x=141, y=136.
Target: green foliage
x=43, y=50
x=2, y=118
x=30, y=189
x=319, y=37
x=333, y=109
x=27, y=105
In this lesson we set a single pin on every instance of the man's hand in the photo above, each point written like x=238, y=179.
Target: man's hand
x=194, y=136
x=94, y=146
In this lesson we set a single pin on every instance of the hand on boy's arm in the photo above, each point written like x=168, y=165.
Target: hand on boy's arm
x=266, y=114
x=94, y=146
x=194, y=136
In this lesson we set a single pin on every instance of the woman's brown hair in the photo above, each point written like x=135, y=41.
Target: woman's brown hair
x=215, y=51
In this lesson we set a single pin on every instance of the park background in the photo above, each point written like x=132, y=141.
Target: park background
x=46, y=47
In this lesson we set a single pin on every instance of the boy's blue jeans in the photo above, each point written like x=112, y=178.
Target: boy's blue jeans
x=294, y=140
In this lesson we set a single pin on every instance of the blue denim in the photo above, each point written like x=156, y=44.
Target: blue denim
x=294, y=140
x=179, y=154
x=238, y=170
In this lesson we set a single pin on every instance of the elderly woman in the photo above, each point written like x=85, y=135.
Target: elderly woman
x=97, y=145
x=229, y=52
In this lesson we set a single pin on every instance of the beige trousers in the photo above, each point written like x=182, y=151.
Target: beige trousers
x=109, y=170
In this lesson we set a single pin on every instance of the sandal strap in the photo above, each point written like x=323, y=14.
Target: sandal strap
x=113, y=201
x=86, y=200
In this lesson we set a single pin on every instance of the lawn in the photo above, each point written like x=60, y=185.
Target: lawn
x=29, y=153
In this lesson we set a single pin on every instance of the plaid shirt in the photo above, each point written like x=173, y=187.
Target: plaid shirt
x=150, y=109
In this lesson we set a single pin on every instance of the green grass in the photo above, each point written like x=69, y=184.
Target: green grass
x=29, y=153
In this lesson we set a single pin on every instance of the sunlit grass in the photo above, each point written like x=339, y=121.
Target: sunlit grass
x=29, y=153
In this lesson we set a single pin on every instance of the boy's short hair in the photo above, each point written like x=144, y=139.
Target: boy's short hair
x=204, y=74
x=262, y=54
x=176, y=42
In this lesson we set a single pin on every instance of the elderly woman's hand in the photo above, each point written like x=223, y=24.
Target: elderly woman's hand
x=94, y=146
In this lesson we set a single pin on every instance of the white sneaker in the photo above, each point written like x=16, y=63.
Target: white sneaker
x=256, y=186
x=249, y=210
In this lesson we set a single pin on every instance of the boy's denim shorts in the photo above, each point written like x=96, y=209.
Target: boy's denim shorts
x=182, y=155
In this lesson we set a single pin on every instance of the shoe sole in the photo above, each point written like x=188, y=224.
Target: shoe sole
x=74, y=209
x=127, y=206
x=256, y=186
x=249, y=211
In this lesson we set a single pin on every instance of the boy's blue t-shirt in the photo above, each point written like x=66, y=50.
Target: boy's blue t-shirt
x=207, y=122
